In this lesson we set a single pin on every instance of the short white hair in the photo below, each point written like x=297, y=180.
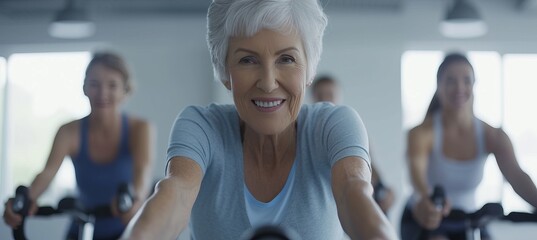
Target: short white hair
x=230, y=18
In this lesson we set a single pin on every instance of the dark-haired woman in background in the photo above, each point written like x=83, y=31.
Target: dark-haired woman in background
x=450, y=148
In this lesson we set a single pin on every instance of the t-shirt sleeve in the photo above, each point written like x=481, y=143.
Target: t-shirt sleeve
x=190, y=137
x=345, y=135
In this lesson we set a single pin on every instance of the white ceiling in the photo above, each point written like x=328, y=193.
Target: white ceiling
x=21, y=8
x=13, y=11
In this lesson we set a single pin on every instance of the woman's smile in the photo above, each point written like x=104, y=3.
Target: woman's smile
x=268, y=104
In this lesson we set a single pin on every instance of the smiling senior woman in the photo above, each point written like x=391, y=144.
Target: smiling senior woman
x=267, y=159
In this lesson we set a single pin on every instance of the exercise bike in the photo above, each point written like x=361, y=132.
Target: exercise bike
x=84, y=218
x=270, y=232
x=471, y=224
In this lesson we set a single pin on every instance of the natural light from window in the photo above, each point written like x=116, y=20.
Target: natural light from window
x=44, y=92
x=3, y=165
x=520, y=74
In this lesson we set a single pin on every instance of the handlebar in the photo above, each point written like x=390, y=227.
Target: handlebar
x=488, y=213
x=462, y=220
x=125, y=197
x=21, y=202
x=270, y=232
x=518, y=217
x=458, y=220
x=21, y=205
x=438, y=197
x=69, y=205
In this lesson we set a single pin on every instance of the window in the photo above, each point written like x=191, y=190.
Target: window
x=520, y=118
x=497, y=103
x=44, y=92
x=3, y=167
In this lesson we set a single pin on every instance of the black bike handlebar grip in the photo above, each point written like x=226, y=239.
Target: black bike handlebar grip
x=21, y=202
x=21, y=205
x=486, y=214
x=521, y=217
x=68, y=204
x=125, y=197
x=270, y=232
x=490, y=209
x=46, y=211
x=439, y=197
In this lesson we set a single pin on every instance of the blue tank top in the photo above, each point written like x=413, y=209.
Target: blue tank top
x=459, y=178
x=98, y=182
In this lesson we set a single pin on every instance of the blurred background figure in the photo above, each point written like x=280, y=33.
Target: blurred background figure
x=450, y=148
x=326, y=89
x=108, y=148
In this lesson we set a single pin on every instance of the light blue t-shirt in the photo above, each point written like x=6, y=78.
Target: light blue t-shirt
x=211, y=136
x=261, y=213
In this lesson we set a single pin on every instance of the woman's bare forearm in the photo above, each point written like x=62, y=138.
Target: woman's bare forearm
x=165, y=214
x=360, y=216
x=418, y=181
x=40, y=184
x=525, y=188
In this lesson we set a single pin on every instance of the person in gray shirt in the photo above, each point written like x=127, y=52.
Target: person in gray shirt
x=267, y=159
x=325, y=88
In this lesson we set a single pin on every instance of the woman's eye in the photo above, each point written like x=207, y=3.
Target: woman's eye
x=451, y=80
x=287, y=59
x=468, y=81
x=247, y=60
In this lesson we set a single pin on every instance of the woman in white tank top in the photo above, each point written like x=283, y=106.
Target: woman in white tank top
x=450, y=148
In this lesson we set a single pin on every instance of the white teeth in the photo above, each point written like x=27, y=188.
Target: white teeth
x=267, y=104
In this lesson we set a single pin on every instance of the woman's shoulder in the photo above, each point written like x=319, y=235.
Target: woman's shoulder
x=138, y=124
x=494, y=137
x=69, y=134
x=491, y=133
x=71, y=127
x=422, y=130
x=488, y=129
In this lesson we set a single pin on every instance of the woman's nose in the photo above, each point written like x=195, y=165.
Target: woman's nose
x=267, y=82
x=461, y=86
